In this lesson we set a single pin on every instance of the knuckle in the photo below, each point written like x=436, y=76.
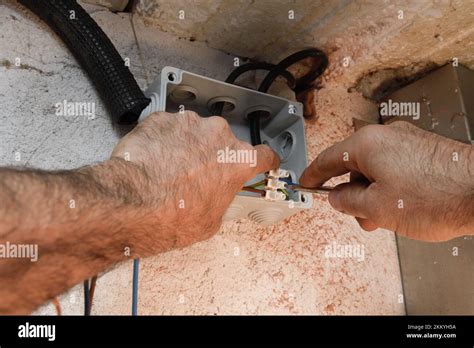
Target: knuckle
x=219, y=122
x=192, y=118
x=369, y=131
x=191, y=114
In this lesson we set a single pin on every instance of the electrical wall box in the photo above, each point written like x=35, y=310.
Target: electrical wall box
x=283, y=130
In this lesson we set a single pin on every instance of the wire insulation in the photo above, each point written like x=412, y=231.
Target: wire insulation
x=136, y=266
x=93, y=282
x=306, y=80
x=303, y=83
x=253, y=190
x=57, y=305
x=86, y=297
x=234, y=75
x=218, y=108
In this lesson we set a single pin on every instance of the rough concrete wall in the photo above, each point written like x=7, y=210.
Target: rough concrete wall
x=371, y=34
x=245, y=268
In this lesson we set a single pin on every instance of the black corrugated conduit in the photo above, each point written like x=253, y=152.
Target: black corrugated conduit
x=96, y=54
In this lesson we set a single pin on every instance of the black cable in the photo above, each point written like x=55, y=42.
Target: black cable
x=218, y=108
x=86, y=297
x=254, y=125
x=136, y=265
x=302, y=83
x=260, y=66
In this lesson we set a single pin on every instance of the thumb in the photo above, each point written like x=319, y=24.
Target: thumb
x=267, y=159
x=351, y=198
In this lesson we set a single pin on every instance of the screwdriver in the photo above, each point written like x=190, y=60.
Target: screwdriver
x=323, y=190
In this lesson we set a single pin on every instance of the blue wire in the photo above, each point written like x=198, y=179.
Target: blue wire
x=288, y=181
x=86, y=297
x=136, y=265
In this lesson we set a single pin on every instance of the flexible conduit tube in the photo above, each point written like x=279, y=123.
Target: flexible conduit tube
x=96, y=54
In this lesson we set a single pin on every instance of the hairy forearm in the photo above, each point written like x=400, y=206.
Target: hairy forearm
x=170, y=194
x=80, y=221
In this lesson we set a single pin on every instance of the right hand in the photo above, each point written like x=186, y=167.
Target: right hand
x=403, y=179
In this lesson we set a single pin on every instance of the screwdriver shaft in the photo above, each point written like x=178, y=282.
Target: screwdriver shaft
x=324, y=190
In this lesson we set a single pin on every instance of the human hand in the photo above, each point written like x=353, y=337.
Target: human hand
x=405, y=179
x=184, y=189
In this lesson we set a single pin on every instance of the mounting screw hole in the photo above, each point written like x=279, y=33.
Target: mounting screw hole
x=171, y=76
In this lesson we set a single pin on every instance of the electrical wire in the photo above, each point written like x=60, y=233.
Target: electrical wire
x=89, y=289
x=86, y=297
x=254, y=126
x=136, y=266
x=303, y=83
x=234, y=75
x=257, y=184
x=218, y=108
x=254, y=190
x=93, y=282
x=57, y=305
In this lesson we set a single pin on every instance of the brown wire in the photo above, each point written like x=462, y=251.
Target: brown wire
x=91, y=294
x=57, y=305
x=254, y=190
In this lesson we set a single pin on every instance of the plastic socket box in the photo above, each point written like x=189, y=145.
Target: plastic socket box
x=283, y=130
